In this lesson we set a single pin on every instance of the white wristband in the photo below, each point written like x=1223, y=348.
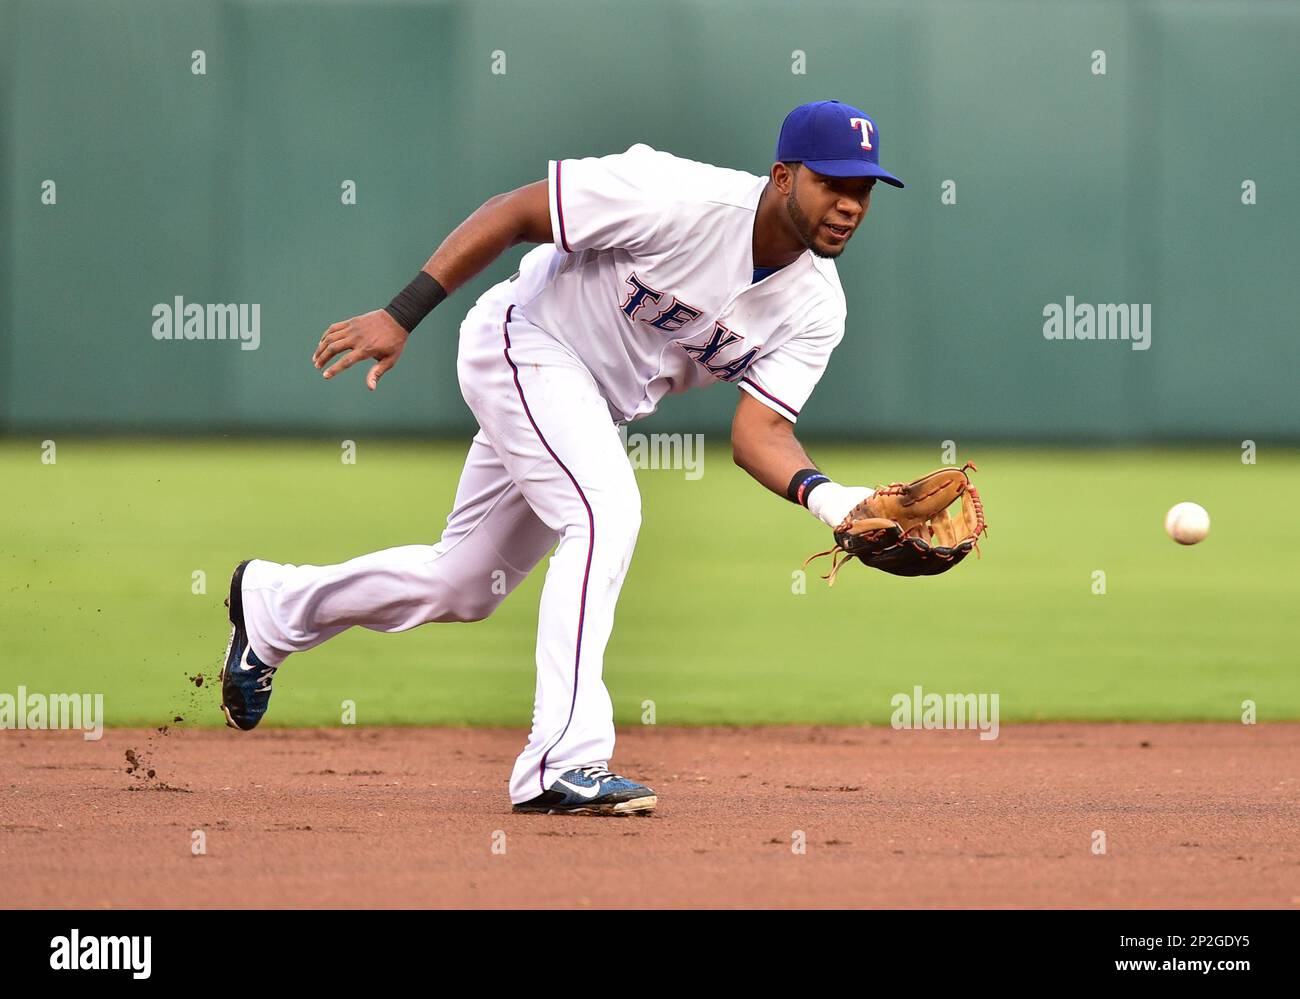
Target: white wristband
x=831, y=502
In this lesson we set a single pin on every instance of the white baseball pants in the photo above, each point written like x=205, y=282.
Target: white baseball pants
x=547, y=465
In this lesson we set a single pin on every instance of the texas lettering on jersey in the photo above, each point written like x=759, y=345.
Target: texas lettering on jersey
x=650, y=283
x=678, y=314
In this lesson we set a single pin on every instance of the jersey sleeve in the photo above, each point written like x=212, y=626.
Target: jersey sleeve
x=602, y=202
x=784, y=379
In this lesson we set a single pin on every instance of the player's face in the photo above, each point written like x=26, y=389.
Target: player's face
x=826, y=211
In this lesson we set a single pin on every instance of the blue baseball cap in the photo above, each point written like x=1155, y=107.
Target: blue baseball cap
x=833, y=138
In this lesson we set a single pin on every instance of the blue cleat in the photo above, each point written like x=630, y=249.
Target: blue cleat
x=245, y=679
x=592, y=791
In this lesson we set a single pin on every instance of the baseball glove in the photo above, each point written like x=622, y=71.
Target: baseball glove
x=907, y=530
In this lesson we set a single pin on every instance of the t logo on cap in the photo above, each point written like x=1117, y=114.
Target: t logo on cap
x=834, y=139
x=865, y=125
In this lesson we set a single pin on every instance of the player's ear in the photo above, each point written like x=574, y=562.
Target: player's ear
x=780, y=177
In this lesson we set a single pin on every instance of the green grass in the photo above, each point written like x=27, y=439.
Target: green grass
x=98, y=551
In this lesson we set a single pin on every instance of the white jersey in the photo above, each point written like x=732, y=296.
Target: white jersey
x=650, y=284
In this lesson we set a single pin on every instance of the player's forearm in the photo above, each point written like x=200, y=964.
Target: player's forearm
x=523, y=215
x=769, y=452
x=764, y=445
x=500, y=223
x=520, y=216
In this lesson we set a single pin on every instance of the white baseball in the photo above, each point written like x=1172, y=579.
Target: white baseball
x=1187, y=523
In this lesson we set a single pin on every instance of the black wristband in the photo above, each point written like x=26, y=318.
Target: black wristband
x=805, y=481
x=416, y=301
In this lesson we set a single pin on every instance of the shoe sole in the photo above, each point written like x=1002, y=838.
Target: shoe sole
x=221, y=678
x=230, y=721
x=637, y=806
x=234, y=607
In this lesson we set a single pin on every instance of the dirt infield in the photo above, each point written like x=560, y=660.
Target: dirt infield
x=1193, y=816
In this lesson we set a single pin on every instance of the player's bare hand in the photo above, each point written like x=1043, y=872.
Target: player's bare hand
x=376, y=335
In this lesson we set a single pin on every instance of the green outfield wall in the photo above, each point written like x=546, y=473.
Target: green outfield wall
x=1100, y=154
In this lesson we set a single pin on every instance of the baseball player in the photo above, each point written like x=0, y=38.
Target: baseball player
x=655, y=274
